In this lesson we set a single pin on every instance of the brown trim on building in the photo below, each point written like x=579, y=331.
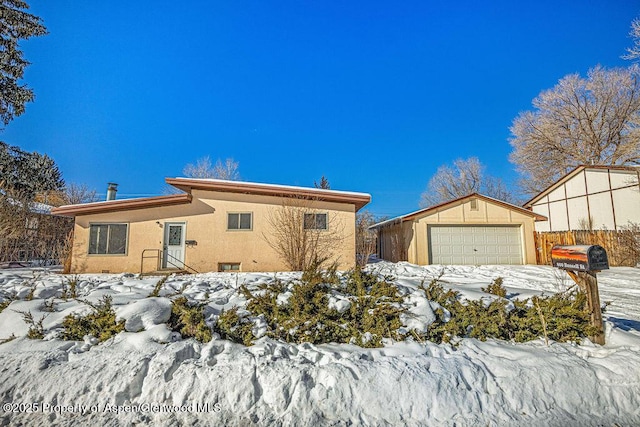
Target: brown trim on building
x=187, y=184
x=122, y=205
x=439, y=207
x=573, y=172
x=613, y=205
x=586, y=196
x=566, y=204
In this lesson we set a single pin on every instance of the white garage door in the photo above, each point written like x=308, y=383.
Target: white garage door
x=475, y=245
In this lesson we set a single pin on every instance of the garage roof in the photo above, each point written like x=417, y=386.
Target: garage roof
x=458, y=201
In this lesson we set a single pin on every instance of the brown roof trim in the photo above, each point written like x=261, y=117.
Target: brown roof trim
x=187, y=184
x=571, y=174
x=460, y=200
x=122, y=205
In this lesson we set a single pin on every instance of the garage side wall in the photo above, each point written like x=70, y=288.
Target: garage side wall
x=480, y=212
x=395, y=242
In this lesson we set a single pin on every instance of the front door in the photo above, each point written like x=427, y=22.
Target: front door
x=173, y=253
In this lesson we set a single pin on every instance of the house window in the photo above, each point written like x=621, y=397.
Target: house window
x=108, y=239
x=239, y=221
x=474, y=204
x=315, y=221
x=229, y=266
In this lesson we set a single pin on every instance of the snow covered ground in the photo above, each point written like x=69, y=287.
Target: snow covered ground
x=153, y=377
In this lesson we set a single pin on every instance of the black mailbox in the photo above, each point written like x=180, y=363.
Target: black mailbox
x=580, y=258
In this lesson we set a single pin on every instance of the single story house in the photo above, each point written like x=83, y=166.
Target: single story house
x=590, y=198
x=215, y=225
x=474, y=229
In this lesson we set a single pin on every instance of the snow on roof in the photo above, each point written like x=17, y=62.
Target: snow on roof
x=187, y=184
x=266, y=185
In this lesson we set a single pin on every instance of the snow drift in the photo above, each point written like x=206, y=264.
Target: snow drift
x=152, y=377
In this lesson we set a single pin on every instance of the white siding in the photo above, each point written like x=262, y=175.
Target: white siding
x=626, y=203
x=601, y=211
x=557, y=194
x=597, y=180
x=621, y=179
x=578, y=213
x=558, y=215
x=576, y=186
x=542, y=209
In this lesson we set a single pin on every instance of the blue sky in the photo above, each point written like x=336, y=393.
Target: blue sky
x=374, y=95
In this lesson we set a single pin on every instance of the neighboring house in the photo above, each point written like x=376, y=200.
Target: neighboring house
x=590, y=198
x=474, y=229
x=215, y=225
x=36, y=235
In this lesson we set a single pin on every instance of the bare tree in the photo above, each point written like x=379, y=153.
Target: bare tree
x=365, y=238
x=633, y=52
x=303, y=235
x=78, y=193
x=580, y=121
x=221, y=170
x=464, y=177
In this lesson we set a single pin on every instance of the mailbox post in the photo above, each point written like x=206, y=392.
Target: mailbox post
x=582, y=262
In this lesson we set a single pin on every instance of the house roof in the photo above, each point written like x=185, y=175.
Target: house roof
x=187, y=184
x=573, y=173
x=458, y=201
x=122, y=205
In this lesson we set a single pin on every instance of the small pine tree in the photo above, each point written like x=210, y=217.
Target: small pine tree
x=324, y=183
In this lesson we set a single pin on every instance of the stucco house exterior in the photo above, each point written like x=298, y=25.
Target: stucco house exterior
x=590, y=197
x=474, y=229
x=215, y=225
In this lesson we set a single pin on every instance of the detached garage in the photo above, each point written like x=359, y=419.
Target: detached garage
x=474, y=230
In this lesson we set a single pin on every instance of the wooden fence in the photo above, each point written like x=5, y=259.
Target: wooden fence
x=623, y=247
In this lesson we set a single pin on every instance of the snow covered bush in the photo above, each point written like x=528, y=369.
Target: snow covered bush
x=100, y=323
x=233, y=327
x=4, y=304
x=496, y=288
x=561, y=317
x=36, y=327
x=188, y=319
x=321, y=307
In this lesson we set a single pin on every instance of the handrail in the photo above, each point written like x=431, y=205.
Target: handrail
x=156, y=256
x=183, y=266
x=165, y=255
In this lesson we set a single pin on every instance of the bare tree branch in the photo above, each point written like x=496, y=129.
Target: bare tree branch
x=594, y=120
x=466, y=176
x=298, y=238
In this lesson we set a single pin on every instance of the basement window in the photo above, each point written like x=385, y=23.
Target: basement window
x=228, y=266
x=108, y=239
x=315, y=221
